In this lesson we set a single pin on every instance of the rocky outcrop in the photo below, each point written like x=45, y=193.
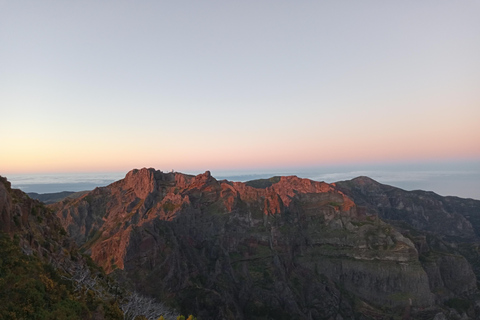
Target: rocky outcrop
x=282, y=247
x=5, y=206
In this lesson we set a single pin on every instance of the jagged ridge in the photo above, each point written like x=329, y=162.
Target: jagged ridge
x=242, y=250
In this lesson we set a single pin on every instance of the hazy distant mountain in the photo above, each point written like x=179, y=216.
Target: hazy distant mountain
x=282, y=248
x=49, y=198
x=451, y=218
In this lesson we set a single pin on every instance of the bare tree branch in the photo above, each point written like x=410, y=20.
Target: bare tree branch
x=138, y=305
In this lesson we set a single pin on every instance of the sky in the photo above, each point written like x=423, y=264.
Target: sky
x=95, y=86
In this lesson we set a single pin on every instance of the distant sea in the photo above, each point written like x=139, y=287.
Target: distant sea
x=460, y=179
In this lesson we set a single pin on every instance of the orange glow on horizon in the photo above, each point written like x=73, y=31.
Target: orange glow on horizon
x=312, y=146
x=231, y=162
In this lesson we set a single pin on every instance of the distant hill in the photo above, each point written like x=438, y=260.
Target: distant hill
x=49, y=198
x=451, y=218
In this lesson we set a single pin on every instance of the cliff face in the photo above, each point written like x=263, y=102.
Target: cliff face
x=445, y=230
x=278, y=248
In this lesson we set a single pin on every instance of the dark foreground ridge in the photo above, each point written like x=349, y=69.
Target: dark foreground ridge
x=42, y=274
x=283, y=248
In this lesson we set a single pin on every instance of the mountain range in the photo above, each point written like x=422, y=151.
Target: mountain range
x=280, y=248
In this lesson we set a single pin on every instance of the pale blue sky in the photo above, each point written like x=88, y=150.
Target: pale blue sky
x=112, y=85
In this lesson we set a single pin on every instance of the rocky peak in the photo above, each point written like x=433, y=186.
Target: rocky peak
x=290, y=186
x=364, y=180
x=365, y=185
x=142, y=181
x=203, y=179
x=6, y=183
x=145, y=181
x=5, y=205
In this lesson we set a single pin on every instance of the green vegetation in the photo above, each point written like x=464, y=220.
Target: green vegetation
x=190, y=317
x=215, y=208
x=360, y=223
x=88, y=198
x=30, y=289
x=335, y=204
x=400, y=296
x=93, y=237
x=458, y=304
x=168, y=206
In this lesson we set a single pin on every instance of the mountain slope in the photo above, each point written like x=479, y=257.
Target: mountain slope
x=445, y=230
x=40, y=267
x=282, y=248
x=450, y=217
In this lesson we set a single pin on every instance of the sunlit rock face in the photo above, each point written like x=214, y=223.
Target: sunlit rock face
x=278, y=247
